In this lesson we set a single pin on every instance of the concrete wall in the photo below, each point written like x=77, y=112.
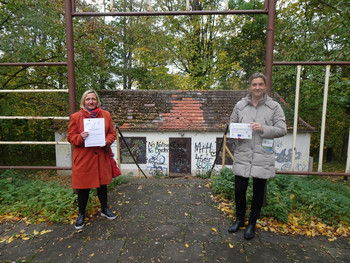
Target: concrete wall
x=63, y=154
x=203, y=147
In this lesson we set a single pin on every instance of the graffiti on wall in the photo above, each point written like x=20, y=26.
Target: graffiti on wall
x=157, y=161
x=204, y=156
x=284, y=157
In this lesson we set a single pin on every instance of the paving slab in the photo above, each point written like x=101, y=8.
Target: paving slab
x=162, y=220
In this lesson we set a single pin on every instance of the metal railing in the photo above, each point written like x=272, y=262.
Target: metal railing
x=328, y=64
x=29, y=64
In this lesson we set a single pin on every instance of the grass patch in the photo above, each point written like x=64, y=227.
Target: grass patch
x=38, y=200
x=311, y=197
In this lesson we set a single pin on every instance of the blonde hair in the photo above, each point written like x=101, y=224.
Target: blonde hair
x=82, y=101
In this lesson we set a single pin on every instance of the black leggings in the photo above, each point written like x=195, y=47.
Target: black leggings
x=83, y=197
x=241, y=185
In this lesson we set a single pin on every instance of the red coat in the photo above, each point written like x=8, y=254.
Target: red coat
x=91, y=166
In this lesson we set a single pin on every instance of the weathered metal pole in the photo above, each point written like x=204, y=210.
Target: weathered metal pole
x=70, y=55
x=271, y=5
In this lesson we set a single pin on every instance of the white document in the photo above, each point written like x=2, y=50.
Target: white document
x=240, y=131
x=96, y=129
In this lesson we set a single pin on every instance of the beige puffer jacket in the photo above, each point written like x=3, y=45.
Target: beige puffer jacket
x=251, y=159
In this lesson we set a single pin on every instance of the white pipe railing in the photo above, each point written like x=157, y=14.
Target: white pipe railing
x=323, y=123
x=324, y=112
x=296, y=117
x=32, y=118
x=34, y=142
x=32, y=90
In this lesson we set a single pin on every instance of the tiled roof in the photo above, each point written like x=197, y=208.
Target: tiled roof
x=177, y=110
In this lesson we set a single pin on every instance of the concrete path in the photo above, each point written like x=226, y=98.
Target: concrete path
x=164, y=220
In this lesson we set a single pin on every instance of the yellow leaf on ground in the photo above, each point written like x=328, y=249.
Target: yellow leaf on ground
x=10, y=239
x=35, y=232
x=213, y=229
x=43, y=232
x=230, y=245
x=186, y=245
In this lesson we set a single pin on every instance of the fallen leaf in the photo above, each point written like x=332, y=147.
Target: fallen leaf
x=10, y=239
x=186, y=245
x=43, y=232
x=230, y=245
x=213, y=229
x=35, y=232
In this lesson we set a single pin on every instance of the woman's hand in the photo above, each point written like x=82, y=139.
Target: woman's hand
x=84, y=135
x=256, y=126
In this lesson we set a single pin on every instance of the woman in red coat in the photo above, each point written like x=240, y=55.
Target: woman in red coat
x=91, y=167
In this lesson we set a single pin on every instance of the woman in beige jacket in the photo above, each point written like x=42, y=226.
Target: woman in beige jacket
x=255, y=157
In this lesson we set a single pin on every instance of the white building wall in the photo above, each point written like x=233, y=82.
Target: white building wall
x=283, y=152
x=63, y=154
x=203, y=146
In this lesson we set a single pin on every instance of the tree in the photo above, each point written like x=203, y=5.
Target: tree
x=316, y=31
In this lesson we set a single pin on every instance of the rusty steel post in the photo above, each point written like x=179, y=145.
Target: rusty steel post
x=270, y=43
x=70, y=55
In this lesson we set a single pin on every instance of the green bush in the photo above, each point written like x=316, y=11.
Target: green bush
x=224, y=183
x=310, y=196
x=36, y=199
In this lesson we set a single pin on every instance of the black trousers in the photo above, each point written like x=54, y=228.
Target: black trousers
x=241, y=185
x=83, y=197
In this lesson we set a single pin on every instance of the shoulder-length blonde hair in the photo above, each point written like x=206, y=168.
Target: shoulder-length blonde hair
x=82, y=101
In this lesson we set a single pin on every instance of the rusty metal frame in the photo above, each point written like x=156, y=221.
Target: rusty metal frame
x=317, y=63
x=70, y=12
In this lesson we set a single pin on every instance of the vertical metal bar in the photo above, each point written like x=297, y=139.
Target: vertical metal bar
x=347, y=169
x=187, y=5
x=149, y=6
x=70, y=55
x=224, y=153
x=73, y=6
x=118, y=150
x=324, y=112
x=270, y=44
x=111, y=5
x=296, y=117
x=226, y=4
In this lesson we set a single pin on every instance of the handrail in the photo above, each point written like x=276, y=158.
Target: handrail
x=34, y=142
x=32, y=90
x=32, y=118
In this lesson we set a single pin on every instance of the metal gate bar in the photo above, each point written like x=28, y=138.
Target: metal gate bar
x=324, y=111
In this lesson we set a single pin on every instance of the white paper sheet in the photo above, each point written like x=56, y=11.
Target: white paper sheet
x=96, y=129
x=240, y=131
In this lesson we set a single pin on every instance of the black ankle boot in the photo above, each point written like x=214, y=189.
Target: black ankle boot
x=236, y=225
x=249, y=233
